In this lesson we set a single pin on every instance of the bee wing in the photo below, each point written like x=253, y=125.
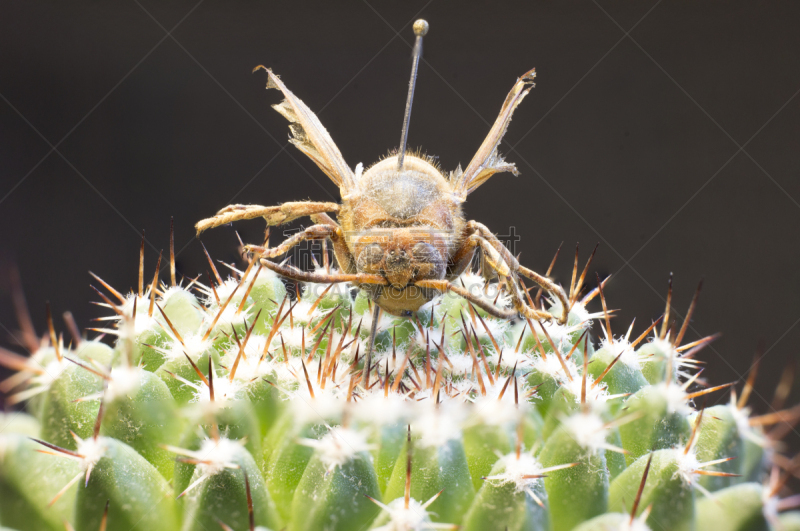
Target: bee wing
x=487, y=161
x=309, y=136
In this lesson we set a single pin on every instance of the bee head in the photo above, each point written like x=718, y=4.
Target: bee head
x=402, y=255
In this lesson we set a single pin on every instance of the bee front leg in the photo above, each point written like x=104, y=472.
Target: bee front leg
x=274, y=215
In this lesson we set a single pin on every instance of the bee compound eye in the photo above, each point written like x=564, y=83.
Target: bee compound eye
x=424, y=252
x=428, y=261
x=372, y=254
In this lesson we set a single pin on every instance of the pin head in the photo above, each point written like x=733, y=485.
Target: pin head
x=421, y=27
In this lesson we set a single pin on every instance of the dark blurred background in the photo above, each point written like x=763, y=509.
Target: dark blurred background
x=665, y=130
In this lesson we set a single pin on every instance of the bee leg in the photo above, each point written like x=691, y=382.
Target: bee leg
x=274, y=215
x=294, y=273
x=343, y=255
x=507, y=268
x=325, y=227
x=328, y=229
x=314, y=232
x=489, y=242
x=520, y=305
x=491, y=309
x=550, y=287
x=460, y=261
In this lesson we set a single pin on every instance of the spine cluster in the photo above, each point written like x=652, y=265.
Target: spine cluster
x=233, y=405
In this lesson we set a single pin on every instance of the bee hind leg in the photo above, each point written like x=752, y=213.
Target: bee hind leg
x=491, y=309
x=294, y=273
x=500, y=259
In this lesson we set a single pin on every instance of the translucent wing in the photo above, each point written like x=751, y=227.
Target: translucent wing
x=487, y=161
x=309, y=136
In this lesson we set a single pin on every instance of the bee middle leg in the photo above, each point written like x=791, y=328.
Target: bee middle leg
x=327, y=230
x=314, y=232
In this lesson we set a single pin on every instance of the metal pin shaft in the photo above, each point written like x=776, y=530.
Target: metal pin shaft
x=420, y=29
x=373, y=331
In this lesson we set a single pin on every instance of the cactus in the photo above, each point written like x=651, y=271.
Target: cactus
x=233, y=405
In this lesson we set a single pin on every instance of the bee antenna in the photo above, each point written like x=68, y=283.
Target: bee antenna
x=420, y=29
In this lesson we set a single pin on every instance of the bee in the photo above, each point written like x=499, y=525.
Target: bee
x=400, y=235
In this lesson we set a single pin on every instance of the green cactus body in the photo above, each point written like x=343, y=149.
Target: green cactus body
x=789, y=521
x=438, y=463
x=94, y=351
x=546, y=387
x=286, y=459
x=508, y=428
x=657, y=357
x=182, y=309
x=143, y=336
x=183, y=472
x=236, y=419
x=63, y=412
x=136, y=493
x=332, y=494
x=662, y=420
x=718, y=438
x=509, y=498
x=387, y=443
x=612, y=522
x=736, y=508
x=218, y=491
x=625, y=376
x=574, y=494
x=30, y=480
x=266, y=402
x=669, y=488
x=481, y=444
x=180, y=376
x=754, y=460
x=267, y=293
x=140, y=412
